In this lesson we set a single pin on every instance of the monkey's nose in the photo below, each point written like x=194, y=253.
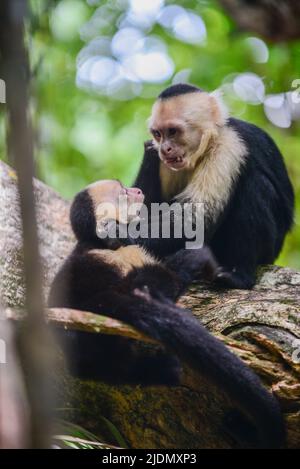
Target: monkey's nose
x=136, y=190
x=166, y=151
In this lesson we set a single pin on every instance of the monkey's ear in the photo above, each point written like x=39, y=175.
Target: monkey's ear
x=106, y=227
x=219, y=109
x=113, y=233
x=110, y=232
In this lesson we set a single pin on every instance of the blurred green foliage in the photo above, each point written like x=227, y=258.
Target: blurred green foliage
x=82, y=135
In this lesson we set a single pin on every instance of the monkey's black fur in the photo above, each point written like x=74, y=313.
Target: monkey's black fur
x=251, y=229
x=89, y=283
x=82, y=218
x=177, y=90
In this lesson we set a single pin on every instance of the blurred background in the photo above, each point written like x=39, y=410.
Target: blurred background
x=98, y=65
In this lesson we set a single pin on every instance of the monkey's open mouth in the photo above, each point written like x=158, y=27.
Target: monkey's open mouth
x=175, y=162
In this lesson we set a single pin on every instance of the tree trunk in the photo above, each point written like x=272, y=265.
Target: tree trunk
x=275, y=20
x=261, y=326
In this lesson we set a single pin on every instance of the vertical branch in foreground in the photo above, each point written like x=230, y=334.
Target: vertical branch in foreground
x=34, y=341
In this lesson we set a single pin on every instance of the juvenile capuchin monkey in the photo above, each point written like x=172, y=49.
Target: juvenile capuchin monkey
x=127, y=283
x=199, y=154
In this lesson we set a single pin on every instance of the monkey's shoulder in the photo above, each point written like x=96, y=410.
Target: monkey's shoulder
x=253, y=136
x=124, y=259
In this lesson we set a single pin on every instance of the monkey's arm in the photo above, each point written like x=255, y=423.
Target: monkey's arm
x=148, y=179
x=171, y=278
x=260, y=212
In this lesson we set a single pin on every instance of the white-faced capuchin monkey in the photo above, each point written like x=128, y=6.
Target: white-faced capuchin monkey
x=199, y=154
x=127, y=283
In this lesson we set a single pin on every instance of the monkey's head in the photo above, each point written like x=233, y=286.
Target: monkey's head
x=102, y=204
x=184, y=124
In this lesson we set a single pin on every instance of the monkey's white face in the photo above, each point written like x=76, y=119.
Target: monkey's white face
x=172, y=137
x=171, y=144
x=181, y=127
x=114, y=201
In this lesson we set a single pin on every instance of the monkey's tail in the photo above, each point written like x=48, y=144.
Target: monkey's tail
x=179, y=331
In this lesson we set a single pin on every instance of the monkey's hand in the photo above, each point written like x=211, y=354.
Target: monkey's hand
x=234, y=279
x=193, y=264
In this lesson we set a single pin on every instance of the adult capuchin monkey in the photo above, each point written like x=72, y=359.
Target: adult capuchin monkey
x=199, y=154
x=127, y=283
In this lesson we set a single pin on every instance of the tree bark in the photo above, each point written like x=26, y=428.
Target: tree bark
x=262, y=326
x=274, y=20
x=34, y=344
x=14, y=406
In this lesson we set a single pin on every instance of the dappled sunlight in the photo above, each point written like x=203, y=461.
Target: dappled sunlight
x=277, y=110
x=249, y=87
x=259, y=49
x=132, y=54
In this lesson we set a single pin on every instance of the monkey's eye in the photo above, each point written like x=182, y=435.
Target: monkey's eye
x=156, y=134
x=172, y=131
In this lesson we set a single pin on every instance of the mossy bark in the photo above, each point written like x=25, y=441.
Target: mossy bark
x=261, y=326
